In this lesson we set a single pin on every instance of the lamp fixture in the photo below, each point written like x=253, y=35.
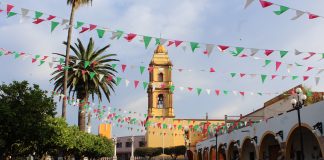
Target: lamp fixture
x=280, y=134
x=255, y=139
x=319, y=127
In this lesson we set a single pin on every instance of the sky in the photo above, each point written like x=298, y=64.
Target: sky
x=206, y=21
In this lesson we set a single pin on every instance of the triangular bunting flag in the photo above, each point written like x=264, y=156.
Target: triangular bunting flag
x=145, y=85
x=222, y=48
x=172, y=88
x=208, y=91
x=10, y=14
x=194, y=46
x=212, y=70
x=273, y=76
x=84, y=29
x=283, y=53
x=147, y=40
x=136, y=83
x=9, y=8
x=79, y=24
x=317, y=79
x=86, y=64
x=277, y=65
x=247, y=3
x=297, y=52
x=100, y=77
x=199, y=91
x=38, y=14
x=281, y=10
x=170, y=43
x=38, y=21
x=298, y=14
x=142, y=68
x=130, y=37
x=118, y=80
x=254, y=51
x=92, y=74
x=311, y=54
x=177, y=43
x=233, y=74
x=312, y=16
x=267, y=61
x=100, y=32
x=92, y=27
x=265, y=4
x=309, y=68
x=54, y=25
x=124, y=67
x=268, y=52
x=305, y=78
x=50, y=17
x=294, y=77
x=263, y=78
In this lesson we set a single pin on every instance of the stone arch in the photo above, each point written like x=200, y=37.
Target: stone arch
x=269, y=146
x=232, y=150
x=190, y=155
x=212, y=153
x=249, y=149
x=221, y=152
x=205, y=153
x=312, y=147
x=199, y=154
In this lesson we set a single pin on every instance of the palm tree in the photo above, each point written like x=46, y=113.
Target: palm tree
x=87, y=76
x=75, y=5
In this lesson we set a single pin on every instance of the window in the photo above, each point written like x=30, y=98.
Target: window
x=128, y=144
x=160, y=101
x=119, y=145
x=141, y=144
x=160, y=77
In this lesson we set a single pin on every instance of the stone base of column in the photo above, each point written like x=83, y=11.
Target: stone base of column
x=114, y=157
x=132, y=158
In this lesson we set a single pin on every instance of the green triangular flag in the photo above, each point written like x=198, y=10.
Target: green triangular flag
x=118, y=81
x=142, y=68
x=10, y=14
x=263, y=77
x=283, y=53
x=281, y=10
x=157, y=41
x=37, y=56
x=199, y=91
x=172, y=88
x=86, y=64
x=79, y=24
x=147, y=40
x=322, y=55
x=62, y=60
x=1, y=53
x=260, y=94
x=294, y=77
x=54, y=25
x=119, y=34
x=225, y=92
x=100, y=33
x=66, y=67
x=114, y=66
x=145, y=85
x=267, y=61
x=233, y=74
x=92, y=74
x=309, y=93
x=16, y=55
x=38, y=14
x=41, y=62
x=194, y=46
x=238, y=51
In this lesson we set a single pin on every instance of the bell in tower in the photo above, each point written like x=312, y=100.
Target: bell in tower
x=160, y=102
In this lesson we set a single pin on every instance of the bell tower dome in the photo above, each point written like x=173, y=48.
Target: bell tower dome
x=160, y=103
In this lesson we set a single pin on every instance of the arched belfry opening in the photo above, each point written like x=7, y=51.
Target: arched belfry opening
x=160, y=77
x=160, y=101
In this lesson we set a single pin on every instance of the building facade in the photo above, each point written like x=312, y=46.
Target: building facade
x=276, y=134
x=124, y=146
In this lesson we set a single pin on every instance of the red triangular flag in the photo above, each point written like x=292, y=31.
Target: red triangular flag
x=305, y=77
x=268, y=52
x=180, y=70
x=43, y=57
x=124, y=67
x=217, y=92
x=242, y=74
x=59, y=67
x=9, y=8
x=84, y=72
x=265, y=3
x=109, y=78
x=278, y=65
x=205, y=52
x=170, y=43
x=130, y=37
x=212, y=70
x=190, y=89
x=312, y=16
x=150, y=69
x=177, y=43
x=162, y=85
x=243, y=56
x=273, y=76
x=33, y=60
x=242, y=93
x=311, y=54
x=222, y=48
x=84, y=29
x=92, y=27
x=136, y=83
x=309, y=68
x=38, y=21
x=1, y=10
x=50, y=17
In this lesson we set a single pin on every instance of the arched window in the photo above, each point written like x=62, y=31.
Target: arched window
x=160, y=101
x=160, y=78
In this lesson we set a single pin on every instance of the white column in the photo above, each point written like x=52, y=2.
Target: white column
x=132, y=154
x=115, y=150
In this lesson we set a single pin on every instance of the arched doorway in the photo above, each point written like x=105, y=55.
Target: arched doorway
x=233, y=151
x=212, y=153
x=269, y=148
x=190, y=155
x=205, y=156
x=312, y=148
x=222, y=152
x=199, y=154
x=248, y=150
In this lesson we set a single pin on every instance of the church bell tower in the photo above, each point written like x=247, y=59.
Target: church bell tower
x=160, y=102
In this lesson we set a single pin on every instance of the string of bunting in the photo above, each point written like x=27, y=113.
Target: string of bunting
x=282, y=9
x=54, y=60
x=82, y=27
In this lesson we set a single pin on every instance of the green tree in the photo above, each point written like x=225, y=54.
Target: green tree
x=148, y=152
x=75, y=4
x=87, y=76
x=23, y=113
x=175, y=151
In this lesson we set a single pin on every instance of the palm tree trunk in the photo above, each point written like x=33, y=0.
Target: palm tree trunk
x=82, y=112
x=89, y=119
x=67, y=59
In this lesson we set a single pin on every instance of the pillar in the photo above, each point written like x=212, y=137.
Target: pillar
x=132, y=154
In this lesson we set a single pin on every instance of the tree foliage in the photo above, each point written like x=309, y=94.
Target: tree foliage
x=148, y=152
x=175, y=151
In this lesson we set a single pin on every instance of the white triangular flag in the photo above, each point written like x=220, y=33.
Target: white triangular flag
x=298, y=14
x=24, y=18
x=181, y=88
x=184, y=48
x=297, y=52
x=162, y=41
x=317, y=80
x=127, y=82
x=289, y=66
x=254, y=51
x=100, y=77
x=24, y=12
x=252, y=93
x=257, y=58
x=50, y=64
x=77, y=62
x=53, y=59
x=64, y=21
x=208, y=91
x=247, y=3
x=153, y=87
x=234, y=92
x=253, y=75
x=209, y=48
x=320, y=71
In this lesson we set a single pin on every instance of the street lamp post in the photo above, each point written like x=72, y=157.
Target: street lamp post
x=115, y=152
x=297, y=105
x=216, y=135
x=132, y=154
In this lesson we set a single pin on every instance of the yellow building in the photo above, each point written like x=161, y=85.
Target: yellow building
x=163, y=129
x=105, y=130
